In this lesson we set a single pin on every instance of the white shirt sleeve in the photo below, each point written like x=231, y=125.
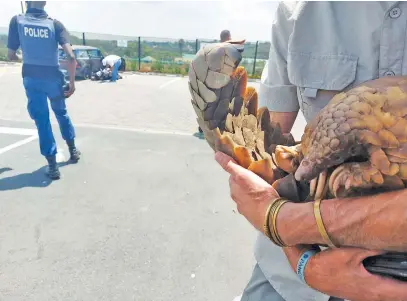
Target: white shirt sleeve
x=276, y=92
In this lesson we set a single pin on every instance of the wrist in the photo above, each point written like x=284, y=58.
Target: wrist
x=304, y=260
x=296, y=224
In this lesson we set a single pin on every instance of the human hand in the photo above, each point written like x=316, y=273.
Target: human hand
x=250, y=192
x=340, y=273
x=70, y=91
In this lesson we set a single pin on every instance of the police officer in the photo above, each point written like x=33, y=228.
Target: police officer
x=38, y=36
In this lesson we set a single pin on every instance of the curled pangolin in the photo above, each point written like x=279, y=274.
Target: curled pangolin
x=356, y=145
x=359, y=139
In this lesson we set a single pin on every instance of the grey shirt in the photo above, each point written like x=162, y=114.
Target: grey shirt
x=318, y=49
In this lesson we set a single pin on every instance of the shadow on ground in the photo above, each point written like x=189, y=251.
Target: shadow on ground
x=37, y=179
x=5, y=169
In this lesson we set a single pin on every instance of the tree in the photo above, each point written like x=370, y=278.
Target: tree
x=181, y=44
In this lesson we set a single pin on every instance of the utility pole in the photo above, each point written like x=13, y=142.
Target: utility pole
x=139, y=53
x=255, y=58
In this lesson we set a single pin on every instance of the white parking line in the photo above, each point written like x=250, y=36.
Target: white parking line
x=135, y=130
x=169, y=83
x=114, y=127
x=18, y=131
x=17, y=144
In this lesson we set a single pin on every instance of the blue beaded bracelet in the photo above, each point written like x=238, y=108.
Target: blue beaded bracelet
x=303, y=262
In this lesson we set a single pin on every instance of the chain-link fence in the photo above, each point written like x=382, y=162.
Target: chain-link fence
x=161, y=55
x=149, y=54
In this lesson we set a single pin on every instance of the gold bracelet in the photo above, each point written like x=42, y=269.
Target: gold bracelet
x=272, y=211
x=273, y=237
x=320, y=224
x=274, y=223
x=266, y=228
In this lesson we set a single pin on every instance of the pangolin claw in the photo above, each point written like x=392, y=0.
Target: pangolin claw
x=352, y=177
x=288, y=157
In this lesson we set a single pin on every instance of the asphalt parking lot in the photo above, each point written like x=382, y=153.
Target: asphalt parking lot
x=145, y=215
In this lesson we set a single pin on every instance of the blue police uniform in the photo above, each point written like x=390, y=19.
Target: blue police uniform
x=38, y=35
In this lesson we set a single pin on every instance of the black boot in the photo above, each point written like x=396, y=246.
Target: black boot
x=74, y=152
x=52, y=168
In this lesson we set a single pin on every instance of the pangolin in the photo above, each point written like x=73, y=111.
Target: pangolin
x=361, y=136
x=357, y=144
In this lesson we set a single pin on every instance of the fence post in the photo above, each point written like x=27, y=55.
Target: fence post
x=139, y=53
x=255, y=58
x=196, y=46
x=83, y=38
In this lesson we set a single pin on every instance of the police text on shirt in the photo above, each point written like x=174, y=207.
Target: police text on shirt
x=36, y=32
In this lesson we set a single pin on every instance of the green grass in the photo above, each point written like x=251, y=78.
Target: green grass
x=158, y=67
x=3, y=54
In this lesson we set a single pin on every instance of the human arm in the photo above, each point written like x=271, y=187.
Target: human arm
x=13, y=42
x=340, y=273
x=285, y=119
x=276, y=92
x=334, y=272
x=62, y=36
x=377, y=222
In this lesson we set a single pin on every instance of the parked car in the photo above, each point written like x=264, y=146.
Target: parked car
x=89, y=60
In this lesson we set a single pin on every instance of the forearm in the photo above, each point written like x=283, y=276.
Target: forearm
x=71, y=62
x=71, y=70
x=376, y=222
x=285, y=119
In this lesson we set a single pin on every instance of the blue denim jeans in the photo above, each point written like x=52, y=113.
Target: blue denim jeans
x=38, y=91
x=115, y=71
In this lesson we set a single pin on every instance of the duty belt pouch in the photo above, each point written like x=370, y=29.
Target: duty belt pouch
x=64, y=86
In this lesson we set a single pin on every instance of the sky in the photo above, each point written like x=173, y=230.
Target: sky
x=166, y=19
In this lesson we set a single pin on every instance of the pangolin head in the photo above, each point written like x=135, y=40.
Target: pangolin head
x=328, y=141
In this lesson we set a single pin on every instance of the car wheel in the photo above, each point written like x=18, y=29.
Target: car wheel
x=86, y=74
